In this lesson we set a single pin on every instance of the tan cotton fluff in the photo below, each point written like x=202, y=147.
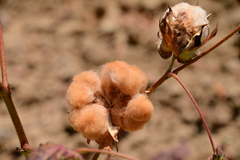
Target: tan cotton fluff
x=91, y=121
x=114, y=101
x=129, y=79
x=83, y=88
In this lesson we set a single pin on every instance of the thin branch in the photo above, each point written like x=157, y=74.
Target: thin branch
x=198, y=109
x=3, y=62
x=162, y=79
x=97, y=154
x=87, y=150
x=5, y=92
x=207, y=51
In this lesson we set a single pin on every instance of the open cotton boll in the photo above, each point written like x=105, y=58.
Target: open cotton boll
x=129, y=79
x=83, y=88
x=184, y=29
x=91, y=121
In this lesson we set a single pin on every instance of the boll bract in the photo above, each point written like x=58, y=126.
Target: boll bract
x=184, y=29
x=101, y=106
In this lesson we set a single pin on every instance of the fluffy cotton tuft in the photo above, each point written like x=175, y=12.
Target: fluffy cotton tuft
x=140, y=108
x=91, y=121
x=83, y=88
x=189, y=17
x=128, y=79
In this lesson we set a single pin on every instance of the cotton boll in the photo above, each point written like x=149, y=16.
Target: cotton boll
x=91, y=121
x=184, y=29
x=140, y=108
x=83, y=88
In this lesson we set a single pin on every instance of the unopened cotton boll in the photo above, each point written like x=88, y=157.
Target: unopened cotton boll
x=91, y=121
x=83, y=88
x=184, y=29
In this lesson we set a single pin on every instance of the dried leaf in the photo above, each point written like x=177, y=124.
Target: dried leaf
x=219, y=156
x=54, y=152
x=113, y=130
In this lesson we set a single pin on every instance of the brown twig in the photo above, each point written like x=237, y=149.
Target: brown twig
x=3, y=62
x=5, y=92
x=87, y=150
x=97, y=154
x=162, y=79
x=198, y=109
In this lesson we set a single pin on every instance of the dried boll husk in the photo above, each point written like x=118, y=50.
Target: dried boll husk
x=91, y=121
x=184, y=29
x=119, y=75
x=83, y=88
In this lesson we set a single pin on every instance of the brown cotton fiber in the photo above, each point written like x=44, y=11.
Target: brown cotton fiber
x=82, y=89
x=140, y=108
x=91, y=121
x=129, y=79
x=138, y=112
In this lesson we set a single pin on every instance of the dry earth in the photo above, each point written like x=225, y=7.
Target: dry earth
x=48, y=42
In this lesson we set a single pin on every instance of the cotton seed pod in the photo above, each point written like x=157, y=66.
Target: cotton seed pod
x=128, y=79
x=91, y=121
x=83, y=88
x=184, y=29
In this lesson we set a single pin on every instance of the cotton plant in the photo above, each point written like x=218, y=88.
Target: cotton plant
x=105, y=105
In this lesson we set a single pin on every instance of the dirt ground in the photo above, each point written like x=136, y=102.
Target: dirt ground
x=48, y=42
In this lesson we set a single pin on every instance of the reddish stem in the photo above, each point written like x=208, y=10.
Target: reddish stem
x=2, y=58
x=196, y=105
x=87, y=150
x=5, y=92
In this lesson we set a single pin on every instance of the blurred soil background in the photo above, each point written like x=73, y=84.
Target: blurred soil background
x=48, y=42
